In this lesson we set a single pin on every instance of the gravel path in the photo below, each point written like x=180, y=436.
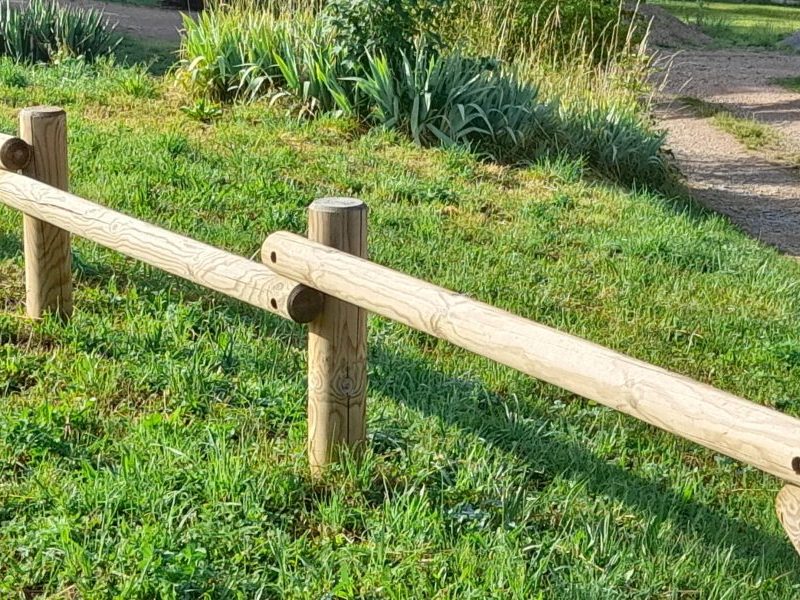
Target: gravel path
x=741, y=80
x=760, y=196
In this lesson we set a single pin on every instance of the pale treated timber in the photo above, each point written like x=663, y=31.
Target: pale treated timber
x=751, y=433
x=15, y=153
x=337, y=343
x=787, y=505
x=195, y=261
x=48, y=253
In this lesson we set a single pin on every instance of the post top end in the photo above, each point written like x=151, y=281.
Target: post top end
x=43, y=111
x=334, y=204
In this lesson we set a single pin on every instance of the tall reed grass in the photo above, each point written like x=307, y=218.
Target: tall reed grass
x=41, y=29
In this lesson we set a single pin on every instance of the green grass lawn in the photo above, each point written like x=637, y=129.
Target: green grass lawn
x=738, y=24
x=154, y=447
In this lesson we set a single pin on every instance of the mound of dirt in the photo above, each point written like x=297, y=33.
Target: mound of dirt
x=793, y=41
x=667, y=31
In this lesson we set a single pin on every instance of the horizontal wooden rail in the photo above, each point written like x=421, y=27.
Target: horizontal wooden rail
x=749, y=432
x=195, y=261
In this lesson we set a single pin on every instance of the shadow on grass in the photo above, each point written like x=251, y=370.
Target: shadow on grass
x=552, y=457
x=10, y=245
x=158, y=55
x=472, y=407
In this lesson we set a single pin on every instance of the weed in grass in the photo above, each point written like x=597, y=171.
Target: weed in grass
x=750, y=132
x=203, y=110
x=12, y=75
x=137, y=83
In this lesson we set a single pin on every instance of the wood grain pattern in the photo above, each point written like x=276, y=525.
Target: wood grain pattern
x=48, y=252
x=200, y=263
x=787, y=505
x=751, y=433
x=15, y=153
x=337, y=342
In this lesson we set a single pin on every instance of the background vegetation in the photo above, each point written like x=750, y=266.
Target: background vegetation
x=416, y=74
x=737, y=24
x=42, y=31
x=154, y=447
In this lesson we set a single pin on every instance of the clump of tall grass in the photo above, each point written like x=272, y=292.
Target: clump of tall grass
x=604, y=96
x=453, y=100
x=232, y=52
x=41, y=29
x=597, y=76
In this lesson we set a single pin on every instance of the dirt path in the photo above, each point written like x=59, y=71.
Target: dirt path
x=760, y=196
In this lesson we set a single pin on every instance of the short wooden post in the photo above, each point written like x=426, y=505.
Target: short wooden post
x=48, y=257
x=337, y=342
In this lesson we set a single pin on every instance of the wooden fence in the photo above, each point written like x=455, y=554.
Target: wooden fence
x=328, y=282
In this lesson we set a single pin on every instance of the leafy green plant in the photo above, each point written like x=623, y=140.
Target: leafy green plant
x=202, y=110
x=232, y=53
x=12, y=75
x=41, y=29
x=365, y=27
x=454, y=100
x=306, y=67
x=618, y=145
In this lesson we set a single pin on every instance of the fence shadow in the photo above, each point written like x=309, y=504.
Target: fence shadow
x=553, y=457
x=10, y=245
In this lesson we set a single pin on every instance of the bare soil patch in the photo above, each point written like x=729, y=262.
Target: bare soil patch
x=668, y=32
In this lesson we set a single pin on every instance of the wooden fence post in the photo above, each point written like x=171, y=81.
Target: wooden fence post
x=48, y=256
x=337, y=342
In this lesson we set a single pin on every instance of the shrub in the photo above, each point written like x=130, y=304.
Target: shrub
x=618, y=145
x=42, y=29
x=382, y=61
x=458, y=101
x=365, y=27
x=232, y=53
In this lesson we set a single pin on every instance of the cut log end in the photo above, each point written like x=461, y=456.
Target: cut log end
x=337, y=205
x=787, y=505
x=304, y=304
x=15, y=153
